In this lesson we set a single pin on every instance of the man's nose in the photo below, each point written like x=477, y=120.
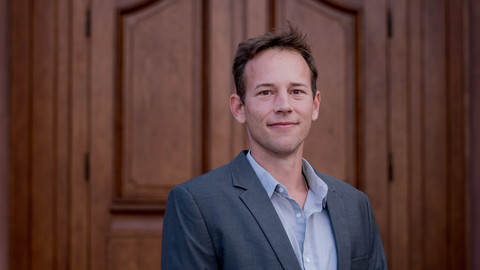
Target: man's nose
x=282, y=102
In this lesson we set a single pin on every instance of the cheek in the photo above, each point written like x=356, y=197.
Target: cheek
x=310, y=112
x=307, y=111
x=252, y=119
x=255, y=112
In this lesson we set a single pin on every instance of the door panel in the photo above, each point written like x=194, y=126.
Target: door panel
x=158, y=98
x=147, y=125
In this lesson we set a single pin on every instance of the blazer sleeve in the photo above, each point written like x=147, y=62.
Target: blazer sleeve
x=377, y=259
x=186, y=243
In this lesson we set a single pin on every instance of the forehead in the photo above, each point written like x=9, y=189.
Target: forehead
x=276, y=66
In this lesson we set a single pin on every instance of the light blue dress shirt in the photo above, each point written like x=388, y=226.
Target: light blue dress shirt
x=309, y=229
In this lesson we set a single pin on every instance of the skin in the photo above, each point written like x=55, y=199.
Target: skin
x=278, y=111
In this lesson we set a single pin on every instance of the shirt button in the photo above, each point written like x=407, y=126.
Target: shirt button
x=280, y=190
x=307, y=259
x=299, y=215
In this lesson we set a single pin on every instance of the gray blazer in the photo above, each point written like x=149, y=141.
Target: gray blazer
x=225, y=220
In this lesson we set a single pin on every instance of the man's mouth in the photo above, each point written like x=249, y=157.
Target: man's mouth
x=282, y=124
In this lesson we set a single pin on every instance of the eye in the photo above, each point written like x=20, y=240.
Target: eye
x=265, y=92
x=297, y=91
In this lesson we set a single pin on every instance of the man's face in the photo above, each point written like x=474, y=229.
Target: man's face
x=279, y=105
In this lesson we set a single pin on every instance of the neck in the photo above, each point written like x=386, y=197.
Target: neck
x=286, y=169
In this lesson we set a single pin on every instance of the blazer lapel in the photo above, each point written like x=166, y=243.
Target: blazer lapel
x=338, y=218
x=256, y=200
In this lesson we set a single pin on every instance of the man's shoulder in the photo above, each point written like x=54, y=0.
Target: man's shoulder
x=217, y=183
x=339, y=185
x=355, y=201
x=212, y=177
x=225, y=171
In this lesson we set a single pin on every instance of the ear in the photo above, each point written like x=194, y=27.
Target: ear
x=316, y=105
x=237, y=108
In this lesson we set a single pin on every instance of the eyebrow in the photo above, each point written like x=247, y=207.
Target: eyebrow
x=271, y=84
x=263, y=85
x=298, y=84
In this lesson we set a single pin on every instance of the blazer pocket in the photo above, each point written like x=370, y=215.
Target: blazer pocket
x=359, y=263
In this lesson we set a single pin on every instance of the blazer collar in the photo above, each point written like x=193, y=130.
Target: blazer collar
x=338, y=218
x=257, y=201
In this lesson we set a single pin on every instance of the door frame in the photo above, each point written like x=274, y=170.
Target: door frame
x=4, y=131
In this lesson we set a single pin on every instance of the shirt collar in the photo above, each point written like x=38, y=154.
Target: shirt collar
x=268, y=182
x=315, y=183
x=317, y=186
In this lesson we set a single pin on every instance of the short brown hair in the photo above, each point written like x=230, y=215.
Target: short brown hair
x=292, y=39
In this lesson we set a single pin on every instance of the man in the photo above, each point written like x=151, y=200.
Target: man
x=268, y=208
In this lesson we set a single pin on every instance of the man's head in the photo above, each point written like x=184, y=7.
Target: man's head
x=290, y=40
x=276, y=99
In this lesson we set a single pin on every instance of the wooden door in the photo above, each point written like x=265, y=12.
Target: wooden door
x=114, y=102
x=159, y=106
x=428, y=198
x=147, y=111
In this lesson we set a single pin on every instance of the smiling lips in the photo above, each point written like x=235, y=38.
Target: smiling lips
x=282, y=124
